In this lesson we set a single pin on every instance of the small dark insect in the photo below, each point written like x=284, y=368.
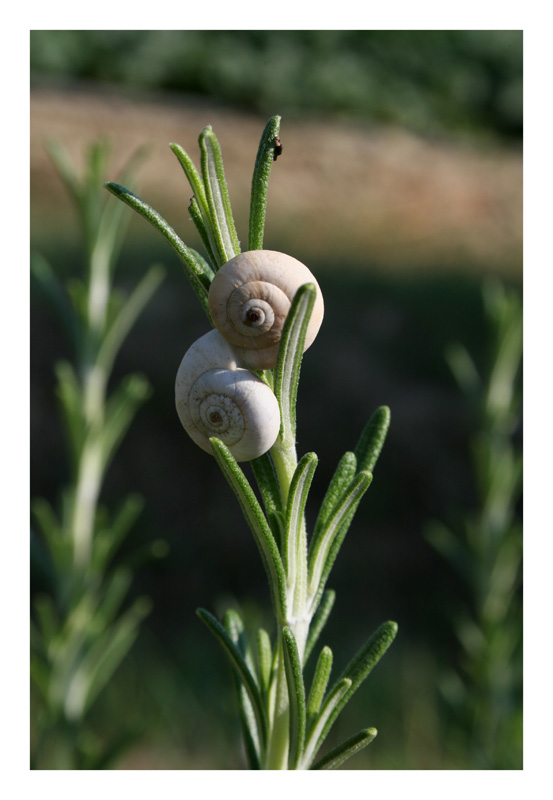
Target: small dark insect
x=278, y=148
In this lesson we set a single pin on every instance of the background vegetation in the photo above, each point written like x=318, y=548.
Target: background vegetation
x=385, y=337
x=428, y=80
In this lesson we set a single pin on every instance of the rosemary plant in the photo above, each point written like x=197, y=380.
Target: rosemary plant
x=79, y=632
x=484, y=548
x=284, y=722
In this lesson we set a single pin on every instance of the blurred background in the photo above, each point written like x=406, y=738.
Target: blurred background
x=400, y=186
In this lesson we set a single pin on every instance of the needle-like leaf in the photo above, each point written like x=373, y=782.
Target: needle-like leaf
x=65, y=169
x=43, y=272
x=372, y=439
x=319, y=621
x=321, y=725
x=264, y=659
x=260, y=183
x=241, y=667
x=127, y=316
x=258, y=524
x=287, y=370
x=343, y=476
x=194, y=179
x=296, y=694
x=201, y=227
x=235, y=628
x=320, y=547
x=194, y=269
x=199, y=208
x=119, y=413
x=218, y=201
x=337, y=756
x=360, y=667
x=319, y=684
x=70, y=393
x=264, y=471
x=294, y=529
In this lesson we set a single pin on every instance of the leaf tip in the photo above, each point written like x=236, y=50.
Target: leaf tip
x=392, y=629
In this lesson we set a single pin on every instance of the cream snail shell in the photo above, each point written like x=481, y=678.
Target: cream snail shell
x=249, y=299
x=216, y=397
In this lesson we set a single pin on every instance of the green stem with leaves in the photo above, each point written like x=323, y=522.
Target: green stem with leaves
x=284, y=725
x=79, y=633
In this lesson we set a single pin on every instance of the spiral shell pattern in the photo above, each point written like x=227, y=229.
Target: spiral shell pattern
x=216, y=397
x=249, y=299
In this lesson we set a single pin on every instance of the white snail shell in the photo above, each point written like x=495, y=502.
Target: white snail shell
x=216, y=397
x=250, y=297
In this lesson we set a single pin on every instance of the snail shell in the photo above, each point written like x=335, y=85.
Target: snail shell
x=216, y=397
x=250, y=297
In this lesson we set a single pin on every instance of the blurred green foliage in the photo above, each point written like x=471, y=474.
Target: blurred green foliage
x=484, y=546
x=430, y=81
x=83, y=624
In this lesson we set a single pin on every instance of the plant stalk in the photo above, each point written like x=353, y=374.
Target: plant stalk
x=296, y=618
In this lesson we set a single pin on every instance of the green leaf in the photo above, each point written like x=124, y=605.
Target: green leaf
x=208, y=265
x=294, y=529
x=218, y=201
x=235, y=628
x=108, y=540
x=120, y=411
x=201, y=227
x=336, y=545
x=44, y=274
x=194, y=270
x=319, y=621
x=264, y=659
x=91, y=205
x=109, y=650
x=117, y=587
x=258, y=524
x=77, y=292
x=115, y=218
x=287, y=370
x=296, y=695
x=321, y=545
x=318, y=730
x=70, y=395
x=196, y=183
x=342, y=478
x=360, y=667
x=264, y=472
x=241, y=667
x=248, y=724
x=127, y=316
x=372, y=439
x=59, y=546
x=260, y=183
x=319, y=684
x=198, y=208
x=342, y=752
x=463, y=369
x=65, y=169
